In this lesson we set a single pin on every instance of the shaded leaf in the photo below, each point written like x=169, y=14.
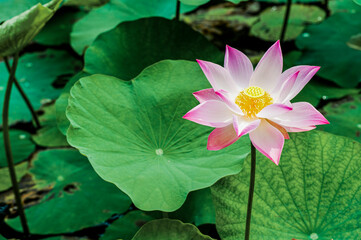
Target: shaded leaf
x=132, y=46
x=105, y=18
x=36, y=73
x=5, y=182
x=78, y=199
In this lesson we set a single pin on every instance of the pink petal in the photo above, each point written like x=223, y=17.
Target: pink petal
x=303, y=115
x=304, y=76
x=218, y=77
x=274, y=110
x=268, y=140
x=239, y=66
x=228, y=99
x=221, y=138
x=286, y=87
x=293, y=129
x=269, y=69
x=205, y=95
x=210, y=113
x=242, y=126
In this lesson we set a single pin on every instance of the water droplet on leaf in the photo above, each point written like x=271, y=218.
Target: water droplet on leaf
x=314, y=236
x=305, y=35
x=159, y=152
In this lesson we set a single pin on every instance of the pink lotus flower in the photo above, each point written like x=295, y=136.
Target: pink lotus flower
x=243, y=101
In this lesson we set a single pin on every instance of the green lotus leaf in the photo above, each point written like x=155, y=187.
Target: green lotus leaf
x=21, y=146
x=344, y=117
x=357, y=1
x=106, y=17
x=271, y=20
x=165, y=229
x=36, y=73
x=314, y=193
x=79, y=197
x=18, y=31
x=127, y=226
x=194, y=2
x=325, y=45
x=49, y=135
x=132, y=46
x=136, y=128
x=5, y=180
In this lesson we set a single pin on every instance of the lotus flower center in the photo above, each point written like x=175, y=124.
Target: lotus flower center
x=252, y=100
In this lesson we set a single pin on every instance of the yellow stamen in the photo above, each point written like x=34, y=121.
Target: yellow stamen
x=252, y=100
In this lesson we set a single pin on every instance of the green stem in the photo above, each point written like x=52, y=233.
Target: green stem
x=23, y=95
x=285, y=20
x=7, y=145
x=177, y=11
x=251, y=191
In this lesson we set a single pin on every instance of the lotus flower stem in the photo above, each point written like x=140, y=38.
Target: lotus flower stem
x=22, y=93
x=177, y=11
x=285, y=20
x=7, y=145
x=251, y=190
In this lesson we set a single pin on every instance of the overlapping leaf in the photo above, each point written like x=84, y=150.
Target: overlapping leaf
x=313, y=194
x=136, y=128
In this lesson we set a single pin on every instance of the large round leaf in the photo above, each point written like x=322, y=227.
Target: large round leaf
x=79, y=197
x=134, y=135
x=313, y=194
x=111, y=14
x=325, y=45
x=165, y=229
x=344, y=117
x=15, y=7
x=132, y=46
x=36, y=72
x=21, y=146
x=271, y=21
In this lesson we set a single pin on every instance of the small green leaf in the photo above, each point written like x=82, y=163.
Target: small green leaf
x=79, y=197
x=136, y=128
x=270, y=25
x=194, y=2
x=49, y=134
x=165, y=229
x=18, y=31
x=325, y=45
x=127, y=226
x=21, y=146
x=314, y=193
